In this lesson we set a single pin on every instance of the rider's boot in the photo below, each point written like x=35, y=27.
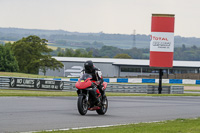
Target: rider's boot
x=98, y=101
x=102, y=91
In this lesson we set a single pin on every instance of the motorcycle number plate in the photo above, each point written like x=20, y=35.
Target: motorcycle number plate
x=82, y=80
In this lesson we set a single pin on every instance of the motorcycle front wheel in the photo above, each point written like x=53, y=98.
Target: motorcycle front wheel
x=82, y=105
x=104, y=106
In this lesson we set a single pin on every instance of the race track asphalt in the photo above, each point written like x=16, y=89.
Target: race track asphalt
x=23, y=114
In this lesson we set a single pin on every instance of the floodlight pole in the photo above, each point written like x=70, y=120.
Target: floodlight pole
x=160, y=81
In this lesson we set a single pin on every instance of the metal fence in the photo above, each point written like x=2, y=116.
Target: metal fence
x=124, y=88
x=174, y=89
x=70, y=86
x=5, y=83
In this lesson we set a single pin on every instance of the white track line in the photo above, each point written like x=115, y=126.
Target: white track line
x=77, y=128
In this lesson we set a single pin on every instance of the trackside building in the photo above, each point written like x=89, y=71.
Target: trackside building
x=119, y=67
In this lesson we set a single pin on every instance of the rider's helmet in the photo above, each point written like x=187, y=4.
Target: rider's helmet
x=89, y=66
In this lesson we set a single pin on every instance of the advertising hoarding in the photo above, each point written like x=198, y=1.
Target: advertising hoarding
x=162, y=40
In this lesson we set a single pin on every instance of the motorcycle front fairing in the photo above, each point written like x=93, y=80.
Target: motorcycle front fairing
x=85, y=86
x=84, y=81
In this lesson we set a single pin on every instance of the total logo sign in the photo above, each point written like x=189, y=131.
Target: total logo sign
x=162, y=42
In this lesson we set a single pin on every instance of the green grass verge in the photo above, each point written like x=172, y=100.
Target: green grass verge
x=37, y=93
x=172, y=126
x=6, y=92
x=11, y=74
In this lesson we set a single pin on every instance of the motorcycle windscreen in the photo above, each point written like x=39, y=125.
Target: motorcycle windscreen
x=84, y=81
x=85, y=76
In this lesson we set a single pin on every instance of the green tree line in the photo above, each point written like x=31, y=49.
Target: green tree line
x=83, y=44
x=69, y=52
x=8, y=62
x=187, y=53
x=180, y=53
x=112, y=52
x=105, y=52
x=27, y=55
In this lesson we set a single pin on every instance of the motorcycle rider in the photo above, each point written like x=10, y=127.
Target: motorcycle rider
x=96, y=73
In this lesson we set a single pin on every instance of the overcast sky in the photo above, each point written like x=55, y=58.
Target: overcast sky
x=108, y=16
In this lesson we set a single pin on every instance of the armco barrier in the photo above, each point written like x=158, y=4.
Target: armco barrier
x=126, y=88
x=140, y=80
x=122, y=80
x=176, y=89
x=175, y=81
x=73, y=79
x=148, y=80
x=197, y=81
x=69, y=85
x=188, y=81
x=4, y=82
x=152, y=89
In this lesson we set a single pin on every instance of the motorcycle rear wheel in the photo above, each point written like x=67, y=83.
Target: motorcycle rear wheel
x=82, y=105
x=104, y=106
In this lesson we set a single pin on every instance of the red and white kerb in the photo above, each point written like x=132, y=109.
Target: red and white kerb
x=162, y=40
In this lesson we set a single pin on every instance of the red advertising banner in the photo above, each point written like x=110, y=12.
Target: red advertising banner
x=162, y=40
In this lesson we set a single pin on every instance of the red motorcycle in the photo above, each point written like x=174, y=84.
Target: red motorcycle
x=88, y=94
